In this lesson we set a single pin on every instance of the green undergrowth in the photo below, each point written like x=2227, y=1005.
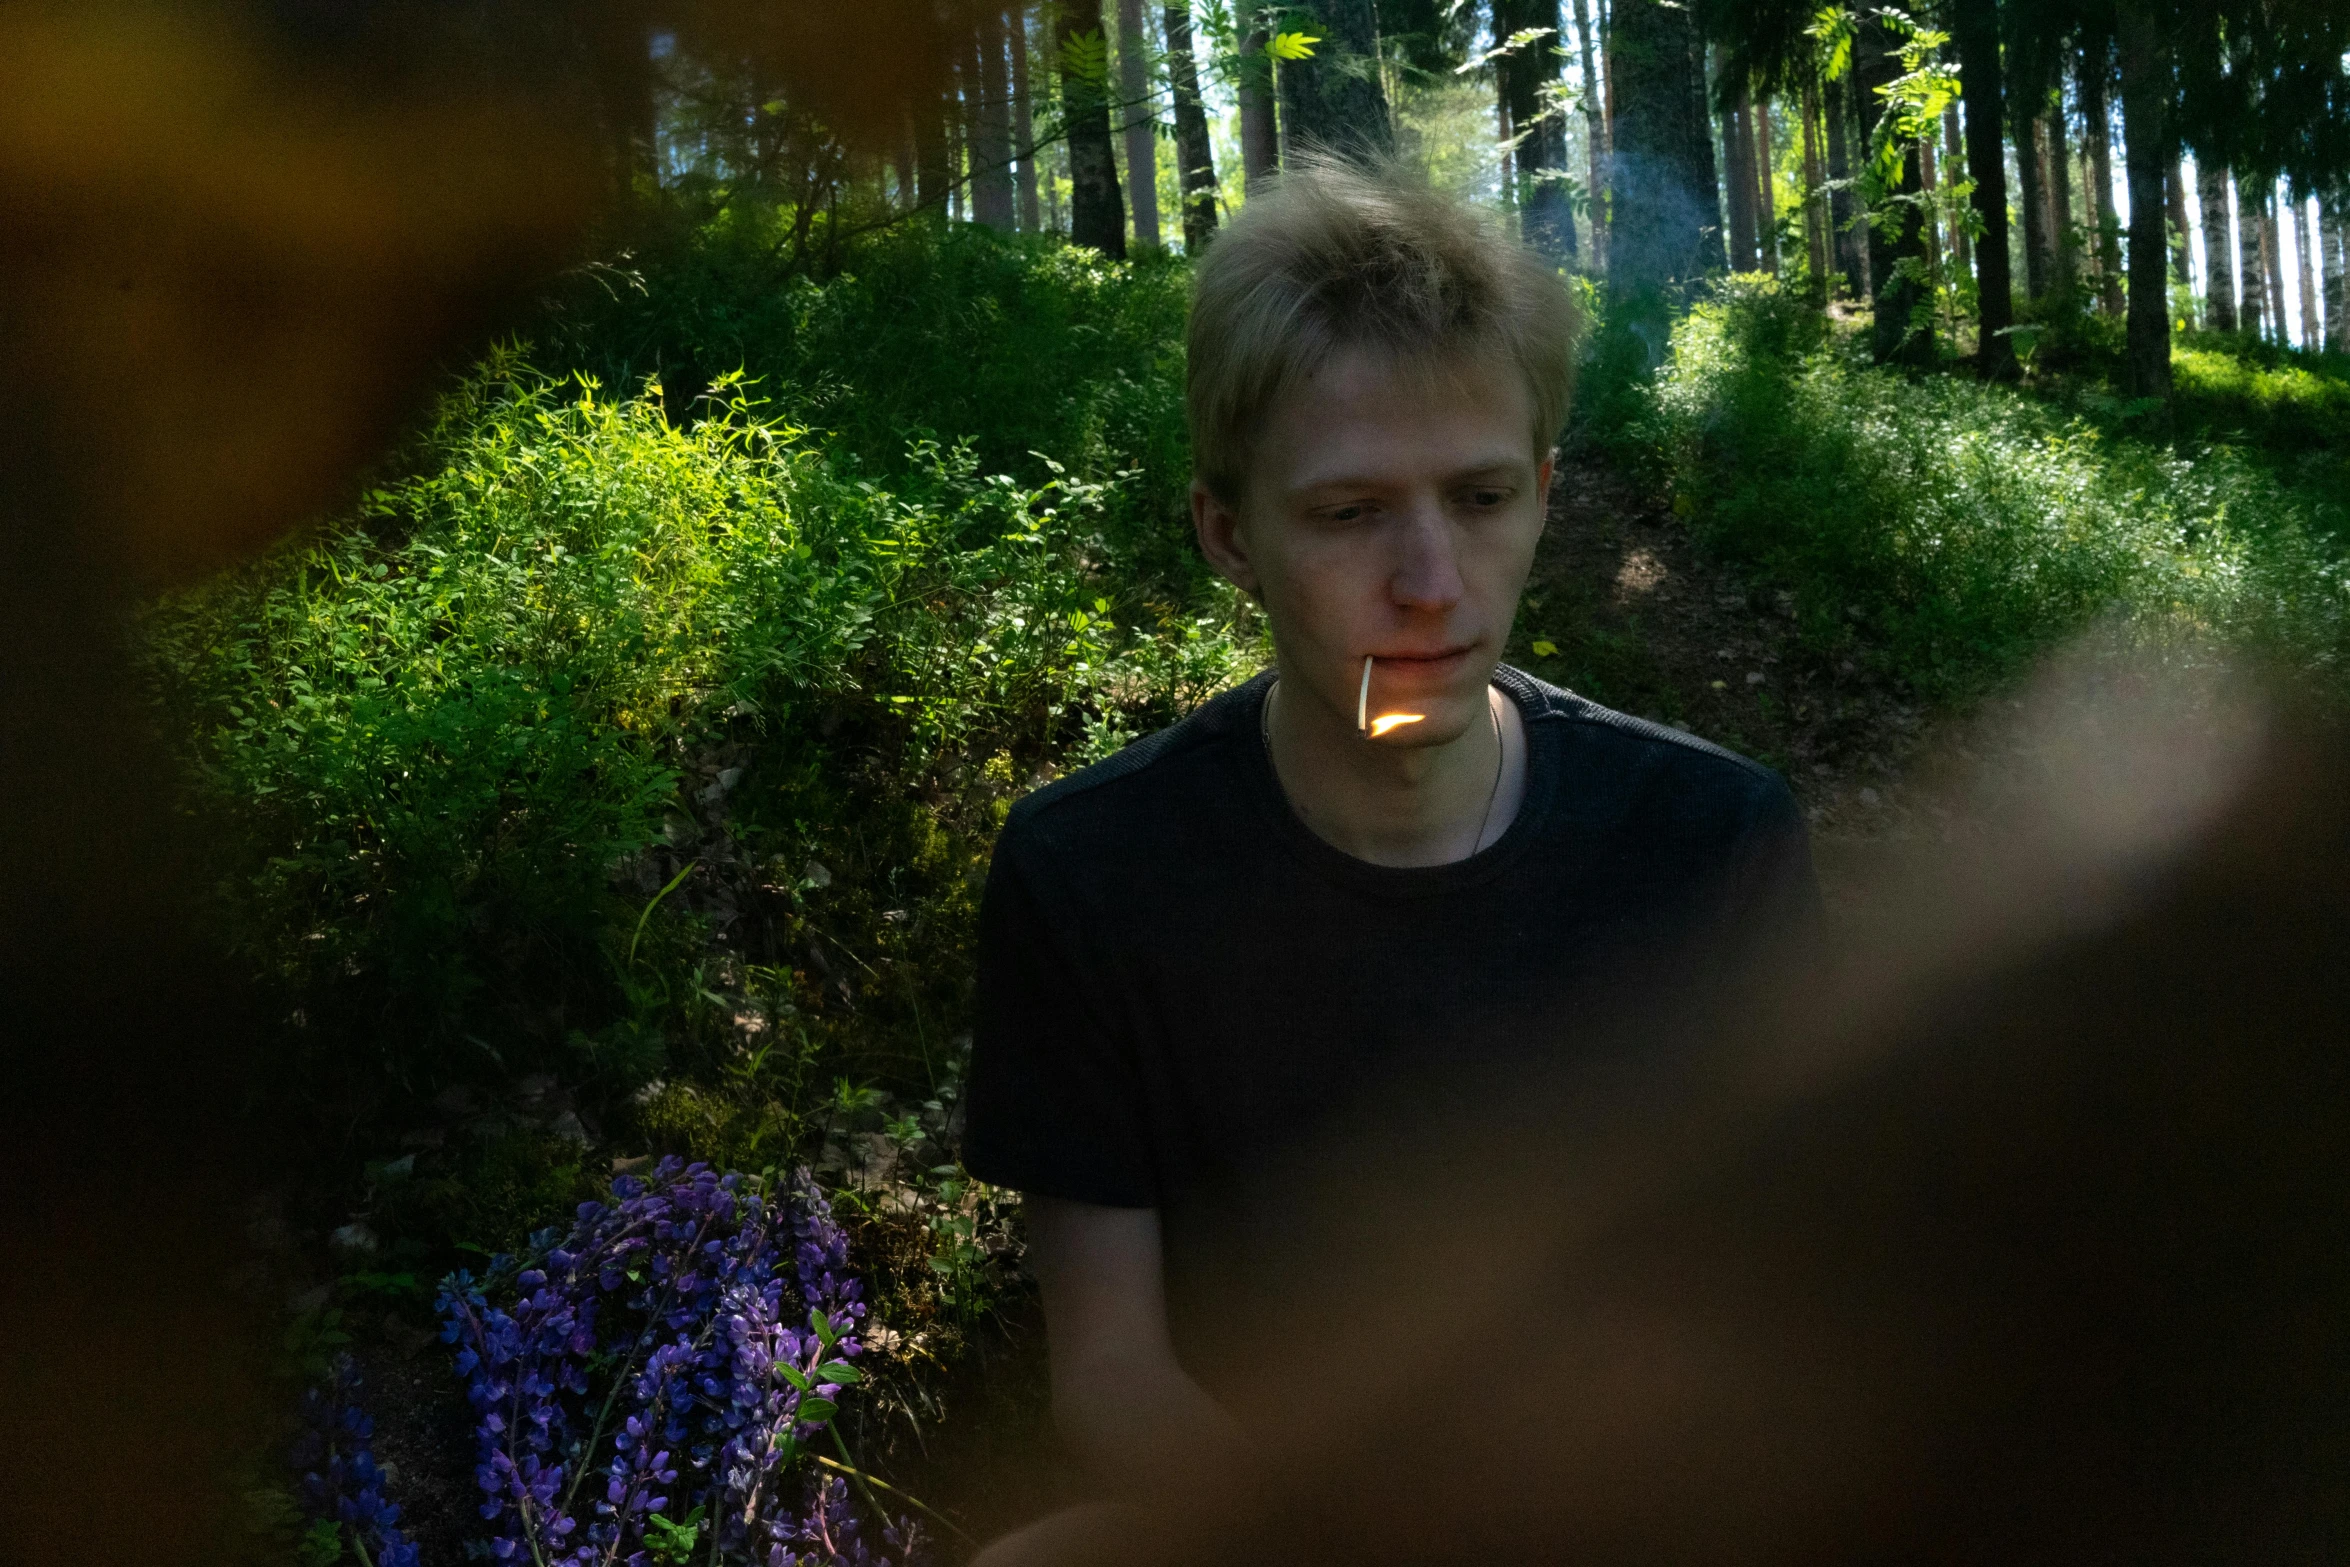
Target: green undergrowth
x=623, y=770
x=1949, y=531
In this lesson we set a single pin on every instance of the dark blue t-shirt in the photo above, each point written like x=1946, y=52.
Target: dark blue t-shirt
x=1179, y=982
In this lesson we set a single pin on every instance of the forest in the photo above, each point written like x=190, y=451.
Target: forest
x=595, y=800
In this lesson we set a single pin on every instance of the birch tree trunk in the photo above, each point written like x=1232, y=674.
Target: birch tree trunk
x=2305, y=262
x=1766, y=201
x=2219, y=246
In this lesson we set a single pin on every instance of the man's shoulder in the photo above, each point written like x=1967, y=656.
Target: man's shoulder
x=1128, y=791
x=1619, y=743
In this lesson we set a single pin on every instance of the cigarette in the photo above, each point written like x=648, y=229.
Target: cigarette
x=1363, y=698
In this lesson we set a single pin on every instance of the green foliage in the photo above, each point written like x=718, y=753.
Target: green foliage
x=1951, y=530
x=946, y=333
x=491, y=762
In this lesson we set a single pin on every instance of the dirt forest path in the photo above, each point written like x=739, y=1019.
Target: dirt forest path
x=1623, y=608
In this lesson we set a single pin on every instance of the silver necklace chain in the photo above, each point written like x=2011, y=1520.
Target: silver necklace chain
x=1500, y=755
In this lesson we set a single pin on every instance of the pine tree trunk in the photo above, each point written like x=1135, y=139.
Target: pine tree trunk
x=1896, y=334
x=933, y=165
x=1738, y=186
x=1975, y=25
x=1815, y=221
x=1097, y=214
x=2031, y=159
x=1024, y=124
x=1260, y=141
x=1334, y=99
x=2097, y=115
x=1594, y=136
x=1766, y=201
x=1195, y=154
x=992, y=197
x=1660, y=177
x=1699, y=149
x=2174, y=194
x=2147, y=148
x=1954, y=165
x=1844, y=244
x=2219, y=246
x=1521, y=75
x=2065, y=231
x=1137, y=121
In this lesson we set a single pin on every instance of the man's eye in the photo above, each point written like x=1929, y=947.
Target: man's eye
x=1486, y=500
x=1353, y=512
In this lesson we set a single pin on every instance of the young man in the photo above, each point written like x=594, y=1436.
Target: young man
x=1196, y=954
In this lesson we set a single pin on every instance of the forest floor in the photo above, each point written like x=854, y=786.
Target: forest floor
x=1637, y=617
x=1658, y=630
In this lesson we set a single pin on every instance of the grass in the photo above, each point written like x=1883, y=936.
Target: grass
x=1950, y=531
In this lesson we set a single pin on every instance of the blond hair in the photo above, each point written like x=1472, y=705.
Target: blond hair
x=1341, y=255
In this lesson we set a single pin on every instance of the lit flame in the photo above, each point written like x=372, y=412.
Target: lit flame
x=1387, y=721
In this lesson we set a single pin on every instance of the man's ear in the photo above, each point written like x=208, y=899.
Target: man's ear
x=1217, y=527
x=1543, y=474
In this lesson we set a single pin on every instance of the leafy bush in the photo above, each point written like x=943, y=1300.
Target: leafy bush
x=456, y=749
x=1967, y=527
x=1020, y=347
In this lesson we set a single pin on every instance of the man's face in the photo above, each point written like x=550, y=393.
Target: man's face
x=1387, y=519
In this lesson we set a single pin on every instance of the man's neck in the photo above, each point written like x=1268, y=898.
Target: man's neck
x=1391, y=804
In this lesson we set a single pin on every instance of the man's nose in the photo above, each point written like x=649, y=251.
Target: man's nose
x=1427, y=566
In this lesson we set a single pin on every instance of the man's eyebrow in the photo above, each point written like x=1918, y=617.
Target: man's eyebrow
x=1497, y=467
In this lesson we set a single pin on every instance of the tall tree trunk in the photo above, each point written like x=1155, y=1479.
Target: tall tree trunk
x=2174, y=195
x=1898, y=333
x=1954, y=167
x=2097, y=117
x=1097, y=215
x=1699, y=148
x=903, y=157
x=992, y=197
x=2272, y=265
x=1661, y=183
x=1815, y=221
x=1766, y=200
x=1930, y=178
x=1260, y=139
x=1334, y=99
x=1024, y=123
x=2337, y=248
x=1738, y=185
x=2148, y=149
x=933, y=157
x=2305, y=262
x=2031, y=162
x=2219, y=245
x=1594, y=136
x=1845, y=245
x=1195, y=154
x=2252, y=245
x=1975, y=29
x=1519, y=80
x=1137, y=120
x=2066, y=232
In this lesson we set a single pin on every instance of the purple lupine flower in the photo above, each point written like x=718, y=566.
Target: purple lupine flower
x=340, y=1481
x=710, y=1369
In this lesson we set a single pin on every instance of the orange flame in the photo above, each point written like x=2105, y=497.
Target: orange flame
x=1387, y=721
